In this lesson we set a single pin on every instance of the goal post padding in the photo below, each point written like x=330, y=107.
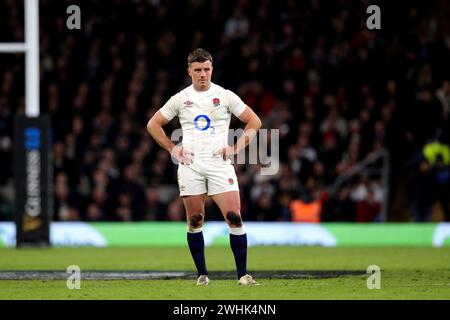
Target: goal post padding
x=33, y=178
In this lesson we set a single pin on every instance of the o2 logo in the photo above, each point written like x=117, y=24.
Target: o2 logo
x=199, y=125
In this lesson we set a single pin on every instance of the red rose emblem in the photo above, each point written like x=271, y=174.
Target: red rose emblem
x=216, y=102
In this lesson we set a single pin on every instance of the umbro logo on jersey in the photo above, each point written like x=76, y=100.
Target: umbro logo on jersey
x=188, y=104
x=216, y=102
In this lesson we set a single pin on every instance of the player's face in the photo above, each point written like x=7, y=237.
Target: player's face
x=200, y=73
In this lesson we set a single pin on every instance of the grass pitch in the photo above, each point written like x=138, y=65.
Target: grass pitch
x=406, y=273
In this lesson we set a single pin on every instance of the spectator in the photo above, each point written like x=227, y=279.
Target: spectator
x=437, y=156
x=132, y=192
x=367, y=210
x=237, y=26
x=308, y=207
x=175, y=210
x=155, y=208
x=340, y=207
x=124, y=210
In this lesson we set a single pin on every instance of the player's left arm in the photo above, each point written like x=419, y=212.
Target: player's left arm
x=252, y=125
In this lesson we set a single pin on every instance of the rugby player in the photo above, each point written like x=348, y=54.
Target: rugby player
x=205, y=169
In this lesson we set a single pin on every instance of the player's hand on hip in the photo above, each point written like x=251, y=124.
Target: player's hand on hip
x=225, y=153
x=183, y=155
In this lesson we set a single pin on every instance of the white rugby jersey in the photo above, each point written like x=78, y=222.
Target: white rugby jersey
x=204, y=117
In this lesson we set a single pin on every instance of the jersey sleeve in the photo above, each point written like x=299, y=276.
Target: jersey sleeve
x=170, y=109
x=235, y=104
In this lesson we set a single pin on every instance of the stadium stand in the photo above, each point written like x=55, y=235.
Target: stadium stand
x=337, y=92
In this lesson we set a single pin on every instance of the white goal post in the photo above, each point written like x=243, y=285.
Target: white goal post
x=32, y=165
x=31, y=50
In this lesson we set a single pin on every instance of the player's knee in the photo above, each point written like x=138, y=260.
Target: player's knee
x=196, y=220
x=234, y=218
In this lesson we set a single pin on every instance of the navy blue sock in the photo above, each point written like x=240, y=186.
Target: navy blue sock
x=197, y=247
x=239, y=246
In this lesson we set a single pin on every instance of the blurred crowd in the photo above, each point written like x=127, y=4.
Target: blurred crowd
x=337, y=92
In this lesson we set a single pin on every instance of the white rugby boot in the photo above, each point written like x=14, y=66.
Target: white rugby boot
x=203, y=280
x=247, y=280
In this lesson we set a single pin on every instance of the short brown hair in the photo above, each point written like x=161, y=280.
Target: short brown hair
x=199, y=55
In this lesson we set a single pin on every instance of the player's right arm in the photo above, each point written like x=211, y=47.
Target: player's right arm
x=155, y=129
